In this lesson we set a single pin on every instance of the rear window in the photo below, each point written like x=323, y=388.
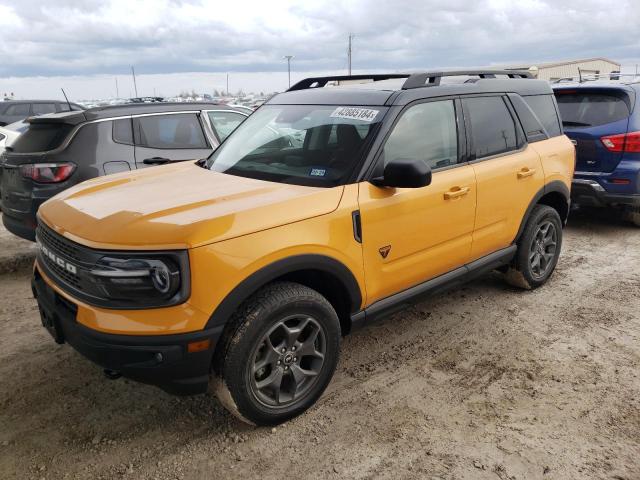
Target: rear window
x=42, y=137
x=493, y=130
x=545, y=110
x=590, y=109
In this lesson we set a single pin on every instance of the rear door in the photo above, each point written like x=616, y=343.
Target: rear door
x=588, y=115
x=508, y=172
x=167, y=137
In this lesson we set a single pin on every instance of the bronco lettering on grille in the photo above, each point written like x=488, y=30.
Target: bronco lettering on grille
x=61, y=262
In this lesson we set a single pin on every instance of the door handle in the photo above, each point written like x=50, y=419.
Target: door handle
x=526, y=172
x=155, y=161
x=456, y=192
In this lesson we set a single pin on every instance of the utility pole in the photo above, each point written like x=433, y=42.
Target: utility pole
x=117, y=91
x=227, y=85
x=133, y=74
x=349, y=53
x=288, y=58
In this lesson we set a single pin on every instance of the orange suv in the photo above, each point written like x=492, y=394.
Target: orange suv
x=328, y=207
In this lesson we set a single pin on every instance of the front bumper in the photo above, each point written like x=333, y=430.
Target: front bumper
x=590, y=193
x=161, y=360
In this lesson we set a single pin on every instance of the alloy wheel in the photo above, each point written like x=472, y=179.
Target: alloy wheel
x=287, y=361
x=543, y=249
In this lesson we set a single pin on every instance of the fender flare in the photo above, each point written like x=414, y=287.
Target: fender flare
x=293, y=264
x=555, y=186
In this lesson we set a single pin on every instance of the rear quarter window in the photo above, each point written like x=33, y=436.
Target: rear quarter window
x=42, y=137
x=590, y=109
x=544, y=108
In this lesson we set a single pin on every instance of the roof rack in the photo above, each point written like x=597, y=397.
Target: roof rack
x=414, y=80
x=432, y=79
x=318, y=82
x=592, y=77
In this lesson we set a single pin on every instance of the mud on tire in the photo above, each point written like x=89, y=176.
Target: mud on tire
x=538, y=249
x=278, y=354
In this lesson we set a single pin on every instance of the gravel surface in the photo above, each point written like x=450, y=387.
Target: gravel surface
x=483, y=382
x=15, y=253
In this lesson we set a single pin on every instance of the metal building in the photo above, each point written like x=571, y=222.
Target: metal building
x=572, y=68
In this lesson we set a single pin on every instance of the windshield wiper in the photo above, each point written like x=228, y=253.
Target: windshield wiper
x=575, y=124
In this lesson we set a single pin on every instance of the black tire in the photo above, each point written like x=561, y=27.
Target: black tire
x=257, y=381
x=537, y=256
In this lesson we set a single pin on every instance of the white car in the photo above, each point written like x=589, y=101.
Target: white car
x=9, y=133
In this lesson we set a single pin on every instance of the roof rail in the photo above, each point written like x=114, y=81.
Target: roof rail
x=432, y=79
x=592, y=77
x=318, y=82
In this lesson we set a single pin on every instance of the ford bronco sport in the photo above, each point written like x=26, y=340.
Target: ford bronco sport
x=328, y=207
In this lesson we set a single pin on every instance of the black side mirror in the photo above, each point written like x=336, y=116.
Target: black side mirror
x=404, y=173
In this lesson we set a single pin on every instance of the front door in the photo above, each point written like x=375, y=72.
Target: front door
x=410, y=235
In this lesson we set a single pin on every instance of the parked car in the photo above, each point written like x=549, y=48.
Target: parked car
x=17, y=110
x=60, y=150
x=602, y=118
x=256, y=261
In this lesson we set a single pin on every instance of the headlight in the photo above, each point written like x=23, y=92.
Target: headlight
x=142, y=280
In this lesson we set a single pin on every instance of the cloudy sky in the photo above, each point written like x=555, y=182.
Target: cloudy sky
x=176, y=44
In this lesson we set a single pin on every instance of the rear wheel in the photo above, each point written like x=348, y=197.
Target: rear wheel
x=278, y=355
x=538, y=249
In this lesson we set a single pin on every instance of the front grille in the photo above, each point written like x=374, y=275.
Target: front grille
x=57, y=242
x=68, y=257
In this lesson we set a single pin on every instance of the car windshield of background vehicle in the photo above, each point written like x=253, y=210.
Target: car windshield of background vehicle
x=313, y=145
x=590, y=109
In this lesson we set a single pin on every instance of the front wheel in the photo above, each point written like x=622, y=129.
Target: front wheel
x=538, y=249
x=278, y=355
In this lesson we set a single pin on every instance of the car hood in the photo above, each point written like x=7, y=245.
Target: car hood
x=179, y=206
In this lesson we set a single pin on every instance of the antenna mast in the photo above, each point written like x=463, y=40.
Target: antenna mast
x=349, y=53
x=133, y=74
x=66, y=98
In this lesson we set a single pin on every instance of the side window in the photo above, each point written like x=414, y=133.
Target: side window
x=545, y=109
x=493, y=130
x=43, y=108
x=123, y=131
x=425, y=131
x=181, y=130
x=225, y=122
x=18, y=109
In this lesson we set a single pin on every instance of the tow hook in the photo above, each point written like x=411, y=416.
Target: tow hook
x=112, y=374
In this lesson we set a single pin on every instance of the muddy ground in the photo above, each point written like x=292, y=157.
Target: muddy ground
x=485, y=382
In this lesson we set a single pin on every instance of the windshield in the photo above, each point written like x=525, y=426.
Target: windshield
x=314, y=145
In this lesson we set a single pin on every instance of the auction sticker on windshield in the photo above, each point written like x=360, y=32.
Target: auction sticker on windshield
x=354, y=113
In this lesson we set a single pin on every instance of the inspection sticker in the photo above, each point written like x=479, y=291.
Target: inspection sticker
x=355, y=113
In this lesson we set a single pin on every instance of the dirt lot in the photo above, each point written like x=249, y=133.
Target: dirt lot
x=484, y=382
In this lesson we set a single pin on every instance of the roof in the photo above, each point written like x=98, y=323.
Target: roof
x=5, y=102
x=400, y=89
x=110, y=111
x=561, y=63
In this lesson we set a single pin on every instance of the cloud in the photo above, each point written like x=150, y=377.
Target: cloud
x=85, y=37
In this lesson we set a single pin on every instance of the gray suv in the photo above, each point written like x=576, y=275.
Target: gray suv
x=61, y=150
x=16, y=110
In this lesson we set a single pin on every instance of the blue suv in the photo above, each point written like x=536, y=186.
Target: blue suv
x=602, y=119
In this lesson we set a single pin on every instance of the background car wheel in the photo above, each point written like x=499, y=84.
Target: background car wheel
x=538, y=249
x=278, y=355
